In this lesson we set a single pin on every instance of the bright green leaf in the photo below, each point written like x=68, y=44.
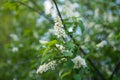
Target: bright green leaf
x=65, y=74
x=80, y=23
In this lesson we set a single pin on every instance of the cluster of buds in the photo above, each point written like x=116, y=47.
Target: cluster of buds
x=79, y=62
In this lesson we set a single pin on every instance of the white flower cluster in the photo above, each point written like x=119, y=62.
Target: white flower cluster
x=47, y=6
x=109, y=17
x=60, y=47
x=58, y=27
x=15, y=49
x=14, y=37
x=79, y=62
x=45, y=67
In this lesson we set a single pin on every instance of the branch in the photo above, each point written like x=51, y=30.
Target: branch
x=115, y=70
x=35, y=4
x=38, y=12
x=80, y=49
x=29, y=7
x=59, y=14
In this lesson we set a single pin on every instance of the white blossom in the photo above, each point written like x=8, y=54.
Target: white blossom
x=79, y=62
x=109, y=17
x=58, y=27
x=14, y=36
x=14, y=49
x=45, y=67
x=47, y=6
x=60, y=47
x=87, y=38
x=101, y=44
x=70, y=29
x=43, y=41
x=96, y=13
x=62, y=59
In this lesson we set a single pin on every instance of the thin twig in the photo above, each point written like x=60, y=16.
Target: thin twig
x=115, y=70
x=38, y=12
x=60, y=15
x=43, y=14
x=29, y=7
x=35, y=4
x=80, y=49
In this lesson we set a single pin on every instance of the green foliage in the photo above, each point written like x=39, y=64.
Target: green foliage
x=77, y=77
x=24, y=22
x=66, y=53
x=65, y=74
x=70, y=45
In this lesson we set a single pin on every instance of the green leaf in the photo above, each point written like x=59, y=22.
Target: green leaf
x=69, y=64
x=67, y=53
x=53, y=42
x=69, y=45
x=65, y=74
x=50, y=55
x=46, y=51
x=49, y=44
x=46, y=58
x=80, y=23
x=77, y=77
x=60, y=72
x=68, y=23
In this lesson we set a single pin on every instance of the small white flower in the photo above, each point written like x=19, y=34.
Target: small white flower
x=70, y=29
x=43, y=42
x=87, y=38
x=96, y=13
x=62, y=59
x=14, y=49
x=60, y=47
x=45, y=67
x=101, y=44
x=47, y=6
x=14, y=36
x=79, y=62
x=70, y=9
x=58, y=27
x=110, y=17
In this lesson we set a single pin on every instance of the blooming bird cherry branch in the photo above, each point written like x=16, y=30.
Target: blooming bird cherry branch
x=80, y=49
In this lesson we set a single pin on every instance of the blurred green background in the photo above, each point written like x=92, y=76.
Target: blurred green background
x=24, y=22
